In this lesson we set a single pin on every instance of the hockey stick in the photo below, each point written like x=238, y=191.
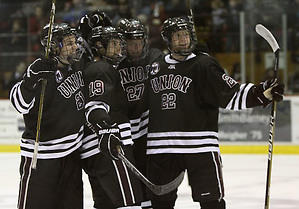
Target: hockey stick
x=267, y=35
x=157, y=189
x=43, y=89
x=191, y=19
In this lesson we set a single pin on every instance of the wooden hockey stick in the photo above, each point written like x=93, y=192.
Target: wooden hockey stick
x=157, y=189
x=267, y=35
x=43, y=89
x=191, y=17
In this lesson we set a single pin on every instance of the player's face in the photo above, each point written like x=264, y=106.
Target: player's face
x=114, y=48
x=180, y=40
x=69, y=47
x=135, y=47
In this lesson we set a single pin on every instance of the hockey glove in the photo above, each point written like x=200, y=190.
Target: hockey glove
x=40, y=68
x=269, y=90
x=109, y=142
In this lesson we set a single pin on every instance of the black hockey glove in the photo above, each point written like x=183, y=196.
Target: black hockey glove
x=267, y=91
x=40, y=68
x=109, y=142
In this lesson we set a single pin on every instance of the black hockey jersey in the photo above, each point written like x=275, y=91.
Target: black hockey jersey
x=133, y=76
x=104, y=94
x=184, y=102
x=62, y=117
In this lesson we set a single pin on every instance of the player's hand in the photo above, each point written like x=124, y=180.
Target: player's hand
x=268, y=91
x=109, y=142
x=40, y=68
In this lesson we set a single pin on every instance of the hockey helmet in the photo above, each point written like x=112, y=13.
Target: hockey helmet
x=59, y=33
x=175, y=24
x=108, y=43
x=134, y=29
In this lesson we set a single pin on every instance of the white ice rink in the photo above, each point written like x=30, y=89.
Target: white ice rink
x=244, y=178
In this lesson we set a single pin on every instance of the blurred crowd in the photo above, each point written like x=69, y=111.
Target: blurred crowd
x=216, y=21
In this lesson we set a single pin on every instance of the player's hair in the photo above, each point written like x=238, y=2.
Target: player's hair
x=103, y=35
x=175, y=24
x=59, y=31
x=133, y=29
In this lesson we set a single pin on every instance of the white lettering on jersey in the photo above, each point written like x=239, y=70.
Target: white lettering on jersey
x=133, y=74
x=96, y=88
x=71, y=84
x=229, y=80
x=175, y=82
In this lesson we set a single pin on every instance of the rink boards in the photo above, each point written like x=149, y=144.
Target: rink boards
x=240, y=132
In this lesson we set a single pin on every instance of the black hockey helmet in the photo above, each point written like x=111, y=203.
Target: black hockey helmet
x=133, y=29
x=87, y=22
x=99, y=39
x=175, y=24
x=59, y=31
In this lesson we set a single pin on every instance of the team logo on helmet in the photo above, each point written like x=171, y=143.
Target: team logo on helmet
x=155, y=68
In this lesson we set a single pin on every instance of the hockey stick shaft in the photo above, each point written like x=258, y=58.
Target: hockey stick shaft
x=191, y=17
x=43, y=89
x=157, y=189
x=267, y=35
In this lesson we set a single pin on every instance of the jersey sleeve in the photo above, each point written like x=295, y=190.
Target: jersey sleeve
x=23, y=95
x=219, y=89
x=98, y=93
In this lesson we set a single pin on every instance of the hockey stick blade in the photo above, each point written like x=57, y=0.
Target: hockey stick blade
x=267, y=35
x=157, y=189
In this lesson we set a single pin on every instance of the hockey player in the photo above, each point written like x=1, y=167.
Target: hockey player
x=106, y=111
x=186, y=92
x=90, y=141
x=133, y=72
x=57, y=180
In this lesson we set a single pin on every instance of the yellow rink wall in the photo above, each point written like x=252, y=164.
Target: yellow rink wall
x=225, y=149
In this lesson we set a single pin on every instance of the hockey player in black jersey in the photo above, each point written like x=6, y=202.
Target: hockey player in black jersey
x=57, y=180
x=106, y=111
x=133, y=71
x=186, y=92
x=89, y=141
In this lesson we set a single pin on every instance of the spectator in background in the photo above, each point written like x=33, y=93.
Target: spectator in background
x=123, y=10
x=73, y=11
x=36, y=23
x=232, y=26
x=218, y=23
x=15, y=44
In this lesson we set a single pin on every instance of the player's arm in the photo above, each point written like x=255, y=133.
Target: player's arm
x=97, y=108
x=223, y=91
x=23, y=93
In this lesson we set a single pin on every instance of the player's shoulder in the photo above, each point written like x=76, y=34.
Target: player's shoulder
x=155, y=53
x=208, y=62
x=96, y=67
